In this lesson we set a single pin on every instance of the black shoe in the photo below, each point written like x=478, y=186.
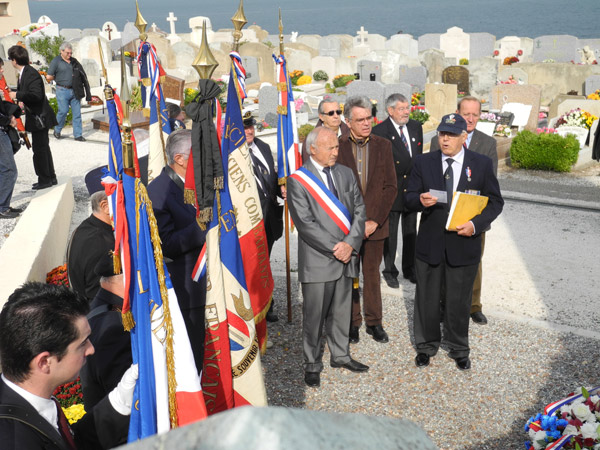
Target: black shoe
x=271, y=316
x=80, y=139
x=312, y=379
x=15, y=210
x=354, y=336
x=391, y=281
x=378, y=333
x=422, y=360
x=479, y=318
x=38, y=186
x=352, y=365
x=411, y=277
x=463, y=363
x=57, y=135
x=8, y=214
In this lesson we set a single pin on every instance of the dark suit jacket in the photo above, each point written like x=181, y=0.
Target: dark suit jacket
x=181, y=237
x=433, y=241
x=98, y=429
x=402, y=158
x=317, y=232
x=271, y=210
x=112, y=357
x=30, y=91
x=381, y=190
x=480, y=143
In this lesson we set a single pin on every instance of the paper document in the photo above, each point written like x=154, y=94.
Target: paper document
x=464, y=208
x=441, y=196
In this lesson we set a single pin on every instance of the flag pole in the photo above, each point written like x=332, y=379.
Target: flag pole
x=125, y=97
x=288, y=283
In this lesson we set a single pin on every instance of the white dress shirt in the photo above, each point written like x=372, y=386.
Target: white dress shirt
x=456, y=167
x=321, y=173
x=402, y=130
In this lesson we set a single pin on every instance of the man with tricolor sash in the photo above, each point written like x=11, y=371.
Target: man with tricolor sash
x=329, y=213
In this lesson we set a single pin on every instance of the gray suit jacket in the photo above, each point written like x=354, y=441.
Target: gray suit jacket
x=318, y=234
x=480, y=143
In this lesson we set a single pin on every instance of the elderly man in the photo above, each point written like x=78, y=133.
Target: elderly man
x=44, y=342
x=327, y=208
x=447, y=260
x=470, y=109
x=91, y=240
x=330, y=116
x=71, y=86
x=370, y=158
x=181, y=237
x=406, y=136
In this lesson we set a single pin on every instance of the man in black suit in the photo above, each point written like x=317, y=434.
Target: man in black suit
x=268, y=189
x=470, y=109
x=44, y=342
x=181, y=237
x=406, y=136
x=30, y=92
x=448, y=260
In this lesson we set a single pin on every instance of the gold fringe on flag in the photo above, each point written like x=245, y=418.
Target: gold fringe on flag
x=146, y=82
x=282, y=181
x=116, y=262
x=128, y=322
x=282, y=110
x=282, y=87
x=142, y=195
x=201, y=224
x=219, y=183
x=189, y=196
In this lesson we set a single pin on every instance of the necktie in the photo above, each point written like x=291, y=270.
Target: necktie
x=260, y=173
x=64, y=428
x=331, y=186
x=404, y=141
x=449, y=178
x=465, y=146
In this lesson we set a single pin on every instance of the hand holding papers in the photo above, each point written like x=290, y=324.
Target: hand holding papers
x=464, y=208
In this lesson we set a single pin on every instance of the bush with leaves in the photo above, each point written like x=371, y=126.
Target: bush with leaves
x=54, y=104
x=343, y=80
x=304, y=130
x=47, y=46
x=544, y=151
x=320, y=75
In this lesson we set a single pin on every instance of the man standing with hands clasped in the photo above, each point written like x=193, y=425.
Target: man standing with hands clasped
x=447, y=260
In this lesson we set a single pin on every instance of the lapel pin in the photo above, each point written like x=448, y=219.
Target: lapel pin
x=468, y=172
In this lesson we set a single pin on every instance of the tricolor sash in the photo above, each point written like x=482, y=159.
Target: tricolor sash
x=330, y=204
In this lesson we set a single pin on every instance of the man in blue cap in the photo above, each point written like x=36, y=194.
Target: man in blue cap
x=447, y=261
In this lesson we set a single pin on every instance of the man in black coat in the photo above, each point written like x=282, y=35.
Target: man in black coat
x=269, y=191
x=39, y=116
x=446, y=261
x=46, y=353
x=181, y=237
x=406, y=136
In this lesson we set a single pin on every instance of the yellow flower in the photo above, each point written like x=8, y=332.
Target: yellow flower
x=74, y=412
x=304, y=79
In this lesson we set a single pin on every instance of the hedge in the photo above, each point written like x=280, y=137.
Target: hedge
x=544, y=151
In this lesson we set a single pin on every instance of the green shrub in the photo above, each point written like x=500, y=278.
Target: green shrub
x=48, y=47
x=343, y=80
x=304, y=130
x=320, y=75
x=544, y=151
x=54, y=104
x=419, y=115
x=463, y=62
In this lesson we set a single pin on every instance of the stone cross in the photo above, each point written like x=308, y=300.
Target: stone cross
x=108, y=29
x=172, y=19
x=153, y=27
x=362, y=34
x=294, y=37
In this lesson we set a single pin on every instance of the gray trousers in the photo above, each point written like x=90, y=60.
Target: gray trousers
x=326, y=304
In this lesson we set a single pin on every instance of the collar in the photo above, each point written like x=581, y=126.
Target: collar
x=178, y=180
x=458, y=158
x=46, y=407
x=359, y=142
x=318, y=166
x=397, y=125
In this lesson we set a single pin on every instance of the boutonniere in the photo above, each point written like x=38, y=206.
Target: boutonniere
x=468, y=172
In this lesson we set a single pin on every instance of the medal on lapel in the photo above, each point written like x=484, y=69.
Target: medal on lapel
x=468, y=172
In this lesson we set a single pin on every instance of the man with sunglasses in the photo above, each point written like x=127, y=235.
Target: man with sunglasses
x=406, y=136
x=446, y=261
x=330, y=116
x=370, y=158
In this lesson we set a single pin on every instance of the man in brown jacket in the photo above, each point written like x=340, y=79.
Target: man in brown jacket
x=371, y=159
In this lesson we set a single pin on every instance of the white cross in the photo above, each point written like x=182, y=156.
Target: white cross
x=362, y=34
x=153, y=27
x=172, y=19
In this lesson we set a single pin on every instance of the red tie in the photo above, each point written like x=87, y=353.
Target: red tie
x=64, y=428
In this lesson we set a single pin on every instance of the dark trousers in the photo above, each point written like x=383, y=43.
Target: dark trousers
x=459, y=288
x=409, y=239
x=371, y=253
x=476, y=300
x=194, y=323
x=42, y=157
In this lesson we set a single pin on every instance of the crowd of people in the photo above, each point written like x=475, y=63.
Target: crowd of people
x=359, y=190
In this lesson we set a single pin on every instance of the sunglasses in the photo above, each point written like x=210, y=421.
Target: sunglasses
x=335, y=111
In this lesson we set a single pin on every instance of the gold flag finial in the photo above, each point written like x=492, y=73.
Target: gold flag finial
x=125, y=97
x=239, y=20
x=205, y=62
x=140, y=23
x=280, y=34
x=102, y=62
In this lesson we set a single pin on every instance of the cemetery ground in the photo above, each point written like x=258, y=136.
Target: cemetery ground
x=540, y=293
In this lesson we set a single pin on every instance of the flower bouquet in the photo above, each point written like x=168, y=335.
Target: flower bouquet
x=571, y=423
x=488, y=117
x=576, y=118
x=417, y=98
x=594, y=95
x=419, y=113
x=502, y=130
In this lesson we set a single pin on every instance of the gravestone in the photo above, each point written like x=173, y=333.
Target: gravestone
x=310, y=40
x=553, y=111
x=458, y=75
x=376, y=42
x=87, y=48
x=560, y=48
x=592, y=83
x=326, y=64
x=433, y=60
x=90, y=32
x=92, y=71
x=455, y=43
x=414, y=76
x=397, y=88
x=404, y=44
x=374, y=90
x=264, y=57
x=173, y=89
x=184, y=53
x=272, y=119
x=429, y=40
x=440, y=99
x=505, y=72
x=362, y=38
x=481, y=45
x=267, y=101
x=250, y=63
x=513, y=93
x=330, y=46
x=298, y=60
x=70, y=33
x=164, y=49
x=591, y=106
x=366, y=68
x=109, y=31
x=509, y=46
x=196, y=24
x=483, y=74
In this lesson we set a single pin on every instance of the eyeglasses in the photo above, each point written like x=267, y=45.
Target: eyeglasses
x=335, y=111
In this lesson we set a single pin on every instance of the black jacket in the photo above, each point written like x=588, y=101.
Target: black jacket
x=80, y=84
x=30, y=91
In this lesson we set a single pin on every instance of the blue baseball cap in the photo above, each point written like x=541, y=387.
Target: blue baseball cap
x=452, y=123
